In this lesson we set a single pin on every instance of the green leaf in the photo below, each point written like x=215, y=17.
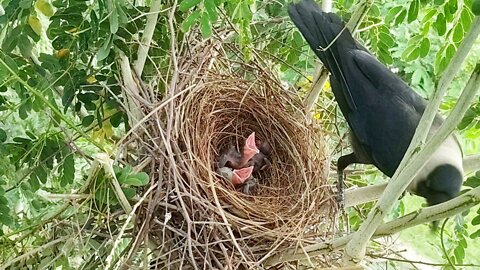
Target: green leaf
x=476, y=220
x=429, y=15
x=34, y=182
x=441, y=24
x=68, y=95
x=466, y=121
x=392, y=13
x=459, y=253
x=375, y=11
x=116, y=119
x=25, y=45
x=87, y=97
x=413, y=11
x=385, y=57
x=413, y=55
x=476, y=7
x=448, y=16
x=457, y=33
x=439, y=61
x=187, y=23
x=424, y=47
x=6, y=219
x=387, y=39
x=113, y=19
x=68, y=173
x=105, y=49
x=37, y=204
x=297, y=39
x=347, y=4
x=211, y=10
x=3, y=200
x=11, y=39
x=475, y=234
x=466, y=19
x=187, y=4
x=25, y=4
x=408, y=51
x=205, y=26
x=139, y=179
x=450, y=52
x=10, y=63
x=401, y=17
x=143, y=177
x=87, y=120
x=452, y=6
x=129, y=192
x=3, y=136
x=426, y=28
x=417, y=76
x=122, y=17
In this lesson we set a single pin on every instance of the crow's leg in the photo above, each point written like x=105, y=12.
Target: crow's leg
x=343, y=163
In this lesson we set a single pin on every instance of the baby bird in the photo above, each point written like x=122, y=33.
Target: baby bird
x=238, y=167
x=236, y=176
x=230, y=157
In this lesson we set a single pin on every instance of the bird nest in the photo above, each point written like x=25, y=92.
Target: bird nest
x=200, y=220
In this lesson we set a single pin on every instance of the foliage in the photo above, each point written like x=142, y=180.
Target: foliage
x=62, y=99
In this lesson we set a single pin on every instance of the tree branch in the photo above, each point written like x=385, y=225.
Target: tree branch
x=424, y=215
x=130, y=90
x=144, y=45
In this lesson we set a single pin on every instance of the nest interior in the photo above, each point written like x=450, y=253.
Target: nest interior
x=201, y=220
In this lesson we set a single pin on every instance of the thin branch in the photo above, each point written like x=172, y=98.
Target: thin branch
x=419, y=262
x=355, y=250
x=130, y=216
x=32, y=252
x=442, y=242
x=362, y=195
x=107, y=164
x=146, y=40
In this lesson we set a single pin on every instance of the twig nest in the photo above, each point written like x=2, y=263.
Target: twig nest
x=292, y=203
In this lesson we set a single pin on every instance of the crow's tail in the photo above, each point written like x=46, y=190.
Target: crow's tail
x=320, y=29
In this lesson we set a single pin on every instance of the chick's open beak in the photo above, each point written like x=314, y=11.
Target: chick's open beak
x=250, y=149
x=241, y=175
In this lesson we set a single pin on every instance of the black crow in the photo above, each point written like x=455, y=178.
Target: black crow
x=382, y=111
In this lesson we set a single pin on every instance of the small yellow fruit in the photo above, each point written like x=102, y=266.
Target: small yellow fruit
x=62, y=53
